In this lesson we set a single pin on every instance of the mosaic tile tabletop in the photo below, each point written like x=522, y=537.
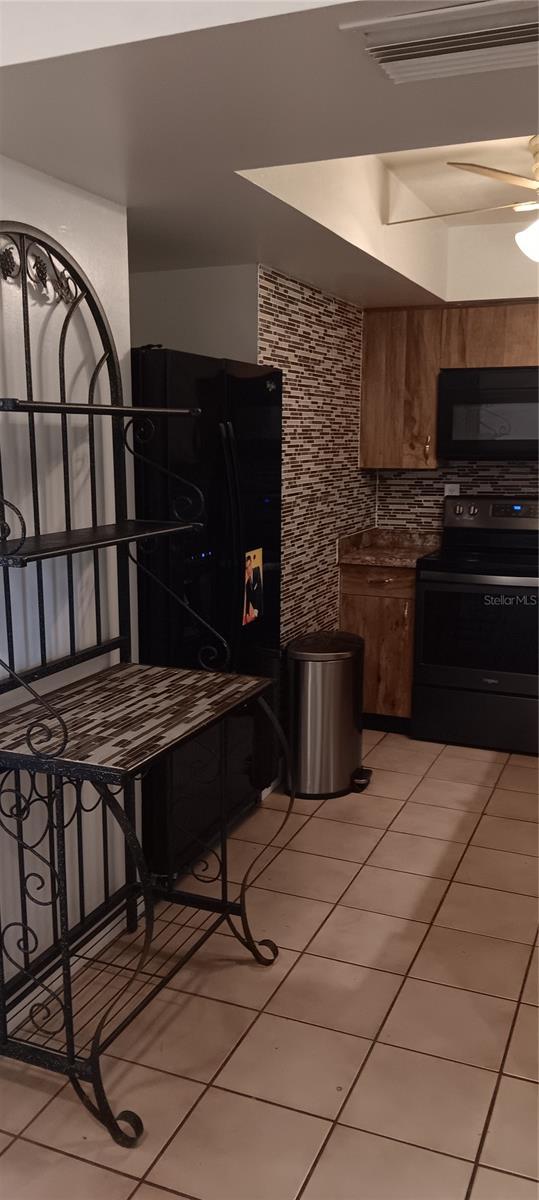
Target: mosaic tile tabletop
x=120, y=719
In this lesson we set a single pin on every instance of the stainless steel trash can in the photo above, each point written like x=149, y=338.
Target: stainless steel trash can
x=326, y=703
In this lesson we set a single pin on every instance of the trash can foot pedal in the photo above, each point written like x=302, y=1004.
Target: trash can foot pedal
x=361, y=779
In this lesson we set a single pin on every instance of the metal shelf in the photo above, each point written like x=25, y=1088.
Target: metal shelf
x=7, y=404
x=14, y=553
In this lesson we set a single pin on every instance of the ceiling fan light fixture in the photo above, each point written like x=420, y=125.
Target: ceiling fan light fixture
x=527, y=241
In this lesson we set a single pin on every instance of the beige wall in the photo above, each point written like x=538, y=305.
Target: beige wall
x=207, y=310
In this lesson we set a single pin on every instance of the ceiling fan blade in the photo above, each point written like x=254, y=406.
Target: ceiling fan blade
x=461, y=212
x=495, y=173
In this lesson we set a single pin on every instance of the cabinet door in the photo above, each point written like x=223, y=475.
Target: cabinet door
x=382, y=389
x=386, y=624
x=401, y=361
x=493, y=335
x=423, y=343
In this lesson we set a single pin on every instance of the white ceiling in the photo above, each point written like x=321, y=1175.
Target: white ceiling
x=163, y=126
x=34, y=29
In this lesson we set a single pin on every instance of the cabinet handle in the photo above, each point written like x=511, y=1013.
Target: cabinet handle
x=426, y=448
x=374, y=581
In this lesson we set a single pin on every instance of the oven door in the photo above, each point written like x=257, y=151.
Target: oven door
x=477, y=635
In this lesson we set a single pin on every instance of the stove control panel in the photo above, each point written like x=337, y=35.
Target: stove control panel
x=489, y=512
x=518, y=509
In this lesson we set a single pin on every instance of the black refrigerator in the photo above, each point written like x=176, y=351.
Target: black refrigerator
x=220, y=467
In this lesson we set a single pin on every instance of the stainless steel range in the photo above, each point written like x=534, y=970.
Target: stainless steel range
x=476, y=643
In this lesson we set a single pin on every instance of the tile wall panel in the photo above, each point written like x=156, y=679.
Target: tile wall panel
x=315, y=339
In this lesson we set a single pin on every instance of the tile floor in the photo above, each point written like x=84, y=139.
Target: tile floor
x=389, y=1054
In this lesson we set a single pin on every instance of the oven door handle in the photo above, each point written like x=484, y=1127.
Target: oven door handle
x=489, y=580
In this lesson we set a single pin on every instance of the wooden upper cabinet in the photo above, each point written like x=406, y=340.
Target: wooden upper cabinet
x=382, y=388
x=401, y=360
x=404, y=350
x=491, y=335
x=423, y=340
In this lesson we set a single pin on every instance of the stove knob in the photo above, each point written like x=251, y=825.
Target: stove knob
x=473, y=510
x=458, y=510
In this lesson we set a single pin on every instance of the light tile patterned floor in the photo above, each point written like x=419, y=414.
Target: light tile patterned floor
x=390, y=1053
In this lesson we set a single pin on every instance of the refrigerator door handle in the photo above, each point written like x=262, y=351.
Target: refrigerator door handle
x=231, y=437
x=233, y=489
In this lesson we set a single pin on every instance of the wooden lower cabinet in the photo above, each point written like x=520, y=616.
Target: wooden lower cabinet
x=378, y=604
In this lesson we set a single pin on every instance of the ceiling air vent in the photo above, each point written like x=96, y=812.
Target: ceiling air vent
x=459, y=39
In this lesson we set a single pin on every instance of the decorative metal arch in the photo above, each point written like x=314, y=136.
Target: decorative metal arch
x=31, y=256
x=33, y=261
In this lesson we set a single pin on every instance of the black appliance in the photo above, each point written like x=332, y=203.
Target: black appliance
x=488, y=414
x=476, y=644
x=221, y=466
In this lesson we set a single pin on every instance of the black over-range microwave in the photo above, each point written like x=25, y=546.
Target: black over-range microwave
x=489, y=414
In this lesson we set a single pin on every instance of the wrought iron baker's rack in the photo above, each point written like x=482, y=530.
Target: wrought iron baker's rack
x=87, y=936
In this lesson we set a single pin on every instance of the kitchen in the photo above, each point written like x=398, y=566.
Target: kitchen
x=359, y=1017
x=378, y=373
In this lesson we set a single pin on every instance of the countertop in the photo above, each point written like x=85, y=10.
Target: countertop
x=385, y=547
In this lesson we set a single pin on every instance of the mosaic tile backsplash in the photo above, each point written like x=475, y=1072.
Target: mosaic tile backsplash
x=415, y=499
x=315, y=340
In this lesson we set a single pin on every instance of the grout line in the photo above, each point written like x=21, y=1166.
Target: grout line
x=475, y=933
x=74, y=1157
x=398, y=916
x=459, y=812
x=349, y=963
x=307, y=1112
x=490, y=1110
x=159, y=1187
x=487, y=887
x=521, y=820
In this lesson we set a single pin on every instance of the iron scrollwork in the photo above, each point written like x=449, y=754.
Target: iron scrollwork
x=5, y=528
x=246, y=936
x=48, y=280
x=47, y=1016
x=208, y=656
x=19, y=940
x=190, y=507
x=48, y=747
x=99, y=1107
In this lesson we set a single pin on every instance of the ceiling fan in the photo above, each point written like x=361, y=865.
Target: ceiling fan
x=527, y=239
